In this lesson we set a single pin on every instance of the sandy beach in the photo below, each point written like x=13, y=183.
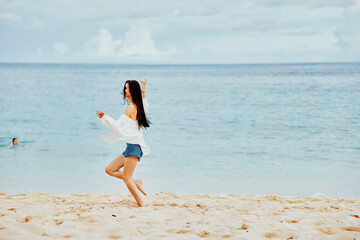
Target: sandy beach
x=171, y=216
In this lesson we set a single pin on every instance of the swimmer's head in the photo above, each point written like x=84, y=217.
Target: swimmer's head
x=15, y=141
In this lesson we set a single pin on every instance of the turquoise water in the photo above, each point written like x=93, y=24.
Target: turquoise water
x=284, y=129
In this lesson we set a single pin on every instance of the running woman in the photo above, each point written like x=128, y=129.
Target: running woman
x=129, y=128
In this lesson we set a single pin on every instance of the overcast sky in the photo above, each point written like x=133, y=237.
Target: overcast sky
x=187, y=31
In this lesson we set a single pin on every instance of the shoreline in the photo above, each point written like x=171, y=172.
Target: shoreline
x=176, y=216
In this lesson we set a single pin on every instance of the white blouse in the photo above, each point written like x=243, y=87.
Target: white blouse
x=125, y=129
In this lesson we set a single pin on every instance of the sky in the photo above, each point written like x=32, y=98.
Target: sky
x=179, y=32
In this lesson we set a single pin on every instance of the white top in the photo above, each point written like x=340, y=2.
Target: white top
x=125, y=129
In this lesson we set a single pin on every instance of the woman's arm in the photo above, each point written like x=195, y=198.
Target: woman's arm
x=109, y=123
x=143, y=87
x=114, y=126
x=146, y=105
x=121, y=128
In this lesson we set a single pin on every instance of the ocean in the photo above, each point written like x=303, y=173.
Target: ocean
x=247, y=129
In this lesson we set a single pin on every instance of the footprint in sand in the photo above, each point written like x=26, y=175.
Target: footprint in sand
x=353, y=229
x=291, y=221
x=270, y=235
x=327, y=230
x=182, y=231
x=114, y=237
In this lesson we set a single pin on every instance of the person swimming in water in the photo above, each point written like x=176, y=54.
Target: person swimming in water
x=15, y=141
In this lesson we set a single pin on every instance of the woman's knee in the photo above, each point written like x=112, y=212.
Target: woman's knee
x=126, y=178
x=109, y=170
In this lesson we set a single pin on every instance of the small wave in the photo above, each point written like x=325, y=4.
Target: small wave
x=256, y=153
x=23, y=120
x=319, y=195
x=44, y=150
x=296, y=126
x=2, y=146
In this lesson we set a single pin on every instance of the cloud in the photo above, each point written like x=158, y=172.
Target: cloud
x=39, y=51
x=182, y=32
x=137, y=44
x=60, y=49
x=102, y=45
x=36, y=25
x=9, y=18
x=348, y=33
x=309, y=3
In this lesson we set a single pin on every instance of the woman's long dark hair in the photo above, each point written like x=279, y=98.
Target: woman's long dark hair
x=135, y=91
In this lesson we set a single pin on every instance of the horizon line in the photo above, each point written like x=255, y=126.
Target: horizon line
x=92, y=63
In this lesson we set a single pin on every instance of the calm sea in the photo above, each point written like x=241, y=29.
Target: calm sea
x=282, y=129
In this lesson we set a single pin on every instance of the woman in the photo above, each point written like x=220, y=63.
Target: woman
x=128, y=128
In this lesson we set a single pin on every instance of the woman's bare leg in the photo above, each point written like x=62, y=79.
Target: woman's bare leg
x=129, y=168
x=113, y=169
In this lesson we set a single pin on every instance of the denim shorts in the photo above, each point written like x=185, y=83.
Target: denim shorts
x=133, y=150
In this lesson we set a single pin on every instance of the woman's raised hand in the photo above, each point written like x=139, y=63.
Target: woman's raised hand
x=143, y=85
x=100, y=114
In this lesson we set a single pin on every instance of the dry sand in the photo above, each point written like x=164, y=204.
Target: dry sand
x=171, y=216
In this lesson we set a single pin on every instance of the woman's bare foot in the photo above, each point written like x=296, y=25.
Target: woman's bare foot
x=139, y=184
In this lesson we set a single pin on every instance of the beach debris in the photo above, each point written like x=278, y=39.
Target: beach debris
x=59, y=221
x=28, y=219
x=113, y=215
x=200, y=205
x=243, y=227
x=203, y=234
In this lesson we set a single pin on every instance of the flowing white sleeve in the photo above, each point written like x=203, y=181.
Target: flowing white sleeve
x=109, y=122
x=120, y=128
x=146, y=105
